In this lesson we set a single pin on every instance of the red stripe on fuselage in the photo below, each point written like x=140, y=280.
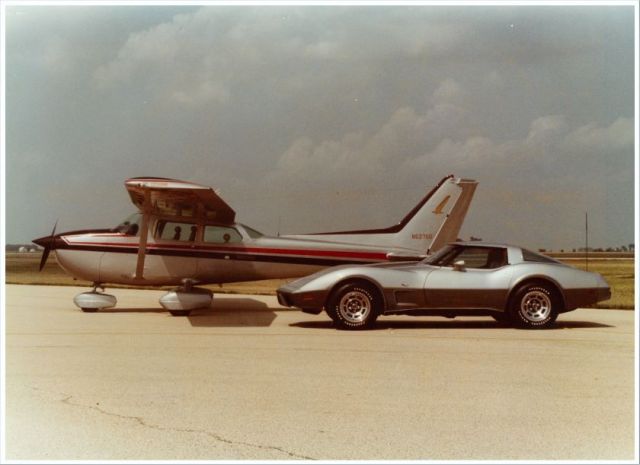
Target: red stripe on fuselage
x=378, y=256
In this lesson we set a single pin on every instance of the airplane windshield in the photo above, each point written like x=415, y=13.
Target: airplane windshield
x=253, y=234
x=130, y=226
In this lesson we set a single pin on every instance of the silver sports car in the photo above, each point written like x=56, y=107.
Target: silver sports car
x=509, y=283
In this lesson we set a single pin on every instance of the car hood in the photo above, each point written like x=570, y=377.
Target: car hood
x=341, y=271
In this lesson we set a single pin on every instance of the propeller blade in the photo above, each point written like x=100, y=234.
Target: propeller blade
x=49, y=243
x=45, y=255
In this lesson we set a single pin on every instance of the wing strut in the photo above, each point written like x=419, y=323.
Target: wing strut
x=144, y=232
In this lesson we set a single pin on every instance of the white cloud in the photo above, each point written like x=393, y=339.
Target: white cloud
x=540, y=175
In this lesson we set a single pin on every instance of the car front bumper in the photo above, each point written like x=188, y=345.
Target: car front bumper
x=309, y=302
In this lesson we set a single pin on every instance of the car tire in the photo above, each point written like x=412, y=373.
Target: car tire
x=354, y=306
x=534, y=306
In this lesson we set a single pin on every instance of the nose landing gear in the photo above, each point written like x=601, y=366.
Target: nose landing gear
x=93, y=301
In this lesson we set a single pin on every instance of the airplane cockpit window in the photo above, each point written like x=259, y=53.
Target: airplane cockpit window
x=176, y=231
x=221, y=235
x=130, y=226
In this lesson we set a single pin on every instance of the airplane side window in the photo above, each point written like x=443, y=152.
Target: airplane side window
x=221, y=235
x=174, y=231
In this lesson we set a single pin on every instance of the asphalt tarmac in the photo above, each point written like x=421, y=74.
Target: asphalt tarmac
x=247, y=379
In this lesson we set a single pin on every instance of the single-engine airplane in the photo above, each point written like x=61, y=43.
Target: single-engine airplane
x=184, y=234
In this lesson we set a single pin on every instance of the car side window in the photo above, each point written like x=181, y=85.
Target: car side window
x=480, y=257
x=221, y=235
x=529, y=256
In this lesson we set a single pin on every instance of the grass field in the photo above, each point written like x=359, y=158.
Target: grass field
x=23, y=269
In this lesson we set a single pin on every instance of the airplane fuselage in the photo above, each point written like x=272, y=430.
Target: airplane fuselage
x=185, y=234
x=110, y=257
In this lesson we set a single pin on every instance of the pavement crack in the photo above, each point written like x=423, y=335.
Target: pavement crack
x=142, y=422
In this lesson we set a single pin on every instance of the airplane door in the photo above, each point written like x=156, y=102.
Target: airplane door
x=217, y=261
x=172, y=253
x=481, y=283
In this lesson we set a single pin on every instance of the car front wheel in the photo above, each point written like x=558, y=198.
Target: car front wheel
x=354, y=306
x=534, y=306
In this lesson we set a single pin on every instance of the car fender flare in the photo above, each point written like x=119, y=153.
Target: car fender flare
x=363, y=279
x=535, y=278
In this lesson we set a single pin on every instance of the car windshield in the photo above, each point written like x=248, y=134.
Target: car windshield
x=441, y=254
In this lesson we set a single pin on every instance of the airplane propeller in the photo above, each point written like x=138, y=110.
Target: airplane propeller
x=48, y=243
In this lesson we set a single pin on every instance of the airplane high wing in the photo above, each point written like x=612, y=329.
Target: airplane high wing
x=185, y=234
x=177, y=198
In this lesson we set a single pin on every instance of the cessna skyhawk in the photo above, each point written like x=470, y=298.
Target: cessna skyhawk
x=184, y=234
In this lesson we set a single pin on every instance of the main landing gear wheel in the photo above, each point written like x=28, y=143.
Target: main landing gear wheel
x=354, y=306
x=181, y=301
x=534, y=306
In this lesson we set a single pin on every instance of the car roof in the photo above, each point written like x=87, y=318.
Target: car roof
x=484, y=244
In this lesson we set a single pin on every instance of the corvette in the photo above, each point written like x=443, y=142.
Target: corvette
x=509, y=283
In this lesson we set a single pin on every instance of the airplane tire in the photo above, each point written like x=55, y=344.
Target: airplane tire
x=89, y=310
x=534, y=306
x=354, y=306
x=180, y=312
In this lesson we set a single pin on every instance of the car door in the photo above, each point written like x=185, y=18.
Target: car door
x=473, y=277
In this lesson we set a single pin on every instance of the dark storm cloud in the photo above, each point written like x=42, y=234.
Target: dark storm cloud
x=326, y=117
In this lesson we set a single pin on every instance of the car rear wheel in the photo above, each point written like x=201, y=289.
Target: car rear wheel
x=354, y=306
x=534, y=306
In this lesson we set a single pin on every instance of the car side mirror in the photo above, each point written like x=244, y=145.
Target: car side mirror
x=459, y=265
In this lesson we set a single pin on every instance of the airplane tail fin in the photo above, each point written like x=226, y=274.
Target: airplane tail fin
x=437, y=219
x=433, y=222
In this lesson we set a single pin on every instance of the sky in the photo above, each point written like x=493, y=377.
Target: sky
x=320, y=118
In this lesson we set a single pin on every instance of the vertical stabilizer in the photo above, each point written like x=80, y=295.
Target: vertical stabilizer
x=440, y=218
x=433, y=222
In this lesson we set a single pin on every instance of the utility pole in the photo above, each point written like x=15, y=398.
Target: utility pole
x=586, y=238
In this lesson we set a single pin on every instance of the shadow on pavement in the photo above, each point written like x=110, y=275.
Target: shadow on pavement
x=452, y=324
x=227, y=312
x=224, y=312
x=133, y=310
